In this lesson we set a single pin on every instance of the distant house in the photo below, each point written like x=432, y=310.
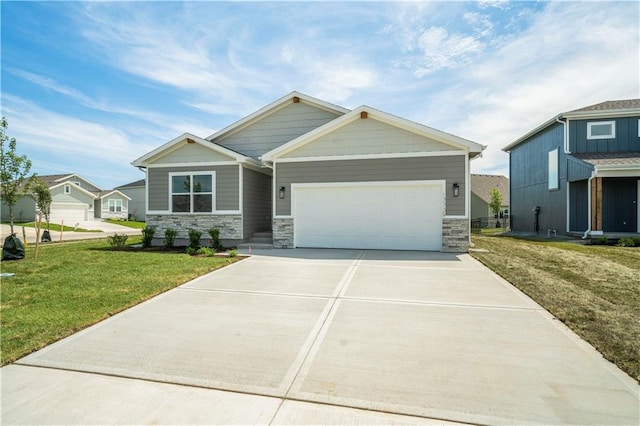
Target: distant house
x=74, y=199
x=481, y=187
x=137, y=204
x=579, y=172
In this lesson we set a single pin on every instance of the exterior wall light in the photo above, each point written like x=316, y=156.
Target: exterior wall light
x=456, y=190
x=281, y=192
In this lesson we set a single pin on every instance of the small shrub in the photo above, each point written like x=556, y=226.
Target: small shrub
x=169, y=238
x=602, y=241
x=206, y=251
x=233, y=253
x=636, y=240
x=147, y=236
x=194, y=239
x=117, y=241
x=626, y=242
x=191, y=251
x=215, y=238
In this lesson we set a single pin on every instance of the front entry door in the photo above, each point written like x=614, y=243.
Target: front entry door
x=620, y=204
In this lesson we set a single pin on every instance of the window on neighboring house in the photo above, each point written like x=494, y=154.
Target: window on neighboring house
x=601, y=130
x=67, y=189
x=115, y=206
x=192, y=192
x=553, y=170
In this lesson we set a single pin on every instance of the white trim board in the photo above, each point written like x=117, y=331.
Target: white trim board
x=369, y=156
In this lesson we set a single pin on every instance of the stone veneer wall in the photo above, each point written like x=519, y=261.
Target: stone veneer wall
x=230, y=226
x=283, y=233
x=455, y=235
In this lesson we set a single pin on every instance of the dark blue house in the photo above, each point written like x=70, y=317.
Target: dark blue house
x=579, y=172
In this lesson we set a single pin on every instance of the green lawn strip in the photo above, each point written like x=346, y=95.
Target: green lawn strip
x=75, y=285
x=129, y=223
x=52, y=227
x=592, y=289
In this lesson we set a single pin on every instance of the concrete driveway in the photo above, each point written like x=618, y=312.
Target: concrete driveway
x=104, y=229
x=326, y=337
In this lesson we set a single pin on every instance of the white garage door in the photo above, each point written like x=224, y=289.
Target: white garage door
x=400, y=216
x=70, y=213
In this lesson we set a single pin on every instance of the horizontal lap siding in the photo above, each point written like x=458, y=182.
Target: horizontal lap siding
x=256, y=202
x=192, y=153
x=227, y=186
x=451, y=168
x=276, y=129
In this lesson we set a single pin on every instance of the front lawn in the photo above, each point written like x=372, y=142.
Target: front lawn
x=52, y=227
x=594, y=290
x=74, y=285
x=130, y=223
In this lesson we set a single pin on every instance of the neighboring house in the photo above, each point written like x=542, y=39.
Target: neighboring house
x=481, y=188
x=74, y=199
x=316, y=175
x=580, y=170
x=137, y=195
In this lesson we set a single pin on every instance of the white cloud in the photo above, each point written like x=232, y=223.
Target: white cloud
x=443, y=51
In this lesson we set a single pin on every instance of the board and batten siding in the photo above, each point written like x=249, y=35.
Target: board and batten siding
x=192, y=153
x=528, y=177
x=227, y=186
x=626, y=139
x=451, y=168
x=276, y=129
x=256, y=202
x=367, y=136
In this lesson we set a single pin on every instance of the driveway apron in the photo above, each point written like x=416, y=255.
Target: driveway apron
x=326, y=337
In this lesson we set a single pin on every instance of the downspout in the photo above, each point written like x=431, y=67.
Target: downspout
x=588, y=231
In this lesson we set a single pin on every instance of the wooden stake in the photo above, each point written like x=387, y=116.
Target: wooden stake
x=38, y=236
x=24, y=237
x=61, y=228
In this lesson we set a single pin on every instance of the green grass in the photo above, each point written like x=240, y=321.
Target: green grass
x=74, y=285
x=594, y=290
x=130, y=223
x=53, y=227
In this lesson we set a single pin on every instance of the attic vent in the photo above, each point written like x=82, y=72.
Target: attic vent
x=364, y=114
x=190, y=141
x=296, y=100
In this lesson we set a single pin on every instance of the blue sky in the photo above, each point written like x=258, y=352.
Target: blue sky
x=89, y=87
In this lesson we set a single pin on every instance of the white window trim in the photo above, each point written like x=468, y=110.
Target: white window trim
x=67, y=189
x=553, y=180
x=115, y=203
x=191, y=173
x=600, y=123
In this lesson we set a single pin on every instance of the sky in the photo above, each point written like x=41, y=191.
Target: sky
x=88, y=87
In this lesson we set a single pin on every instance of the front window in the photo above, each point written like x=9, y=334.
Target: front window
x=601, y=130
x=553, y=170
x=115, y=206
x=192, y=193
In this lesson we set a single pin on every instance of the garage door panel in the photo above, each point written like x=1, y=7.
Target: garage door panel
x=397, y=216
x=69, y=213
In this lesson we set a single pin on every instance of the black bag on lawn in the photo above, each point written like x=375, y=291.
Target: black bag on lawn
x=46, y=237
x=12, y=249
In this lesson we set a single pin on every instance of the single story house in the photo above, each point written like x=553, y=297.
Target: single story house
x=136, y=191
x=74, y=199
x=314, y=174
x=579, y=172
x=481, y=188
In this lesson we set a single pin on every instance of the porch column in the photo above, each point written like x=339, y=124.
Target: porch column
x=596, y=204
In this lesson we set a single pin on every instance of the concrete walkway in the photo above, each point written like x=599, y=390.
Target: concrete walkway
x=104, y=229
x=325, y=337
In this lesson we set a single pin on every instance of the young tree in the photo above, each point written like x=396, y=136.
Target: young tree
x=14, y=169
x=42, y=195
x=495, y=204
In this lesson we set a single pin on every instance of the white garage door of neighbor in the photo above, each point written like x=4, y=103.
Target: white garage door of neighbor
x=405, y=216
x=70, y=213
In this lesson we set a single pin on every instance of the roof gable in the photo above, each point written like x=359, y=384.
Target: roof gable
x=432, y=139
x=203, y=149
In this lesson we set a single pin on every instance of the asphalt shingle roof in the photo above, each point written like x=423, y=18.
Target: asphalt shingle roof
x=140, y=182
x=611, y=105
x=610, y=158
x=481, y=185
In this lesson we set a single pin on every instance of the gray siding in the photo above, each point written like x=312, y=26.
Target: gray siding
x=368, y=136
x=24, y=210
x=451, y=168
x=227, y=186
x=256, y=202
x=579, y=206
x=276, y=129
x=192, y=153
x=529, y=168
x=74, y=195
x=479, y=207
x=137, y=206
x=626, y=136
